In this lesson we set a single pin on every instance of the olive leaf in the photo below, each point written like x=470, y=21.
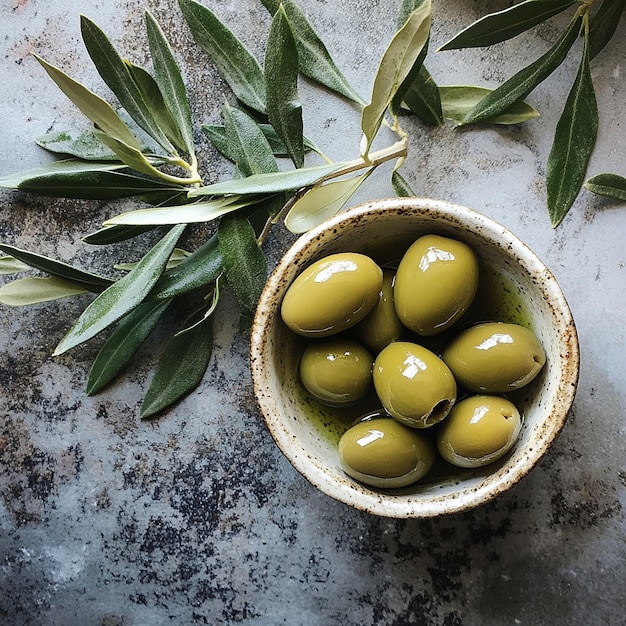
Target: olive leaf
x=180, y=369
x=423, y=98
x=506, y=24
x=84, y=146
x=116, y=74
x=136, y=160
x=247, y=143
x=281, y=86
x=322, y=202
x=516, y=88
x=245, y=265
x=603, y=25
x=395, y=65
x=96, y=109
x=114, y=234
x=314, y=60
x=271, y=182
x=87, y=280
x=11, y=265
x=170, y=81
x=217, y=136
x=153, y=98
x=178, y=256
x=232, y=59
x=608, y=185
x=401, y=186
x=183, y=214
x=34, y=290
x=574, y=140
x=131, y=331
x=458, y=100
x=84, y=180
x=123, y=295
x=199, y=269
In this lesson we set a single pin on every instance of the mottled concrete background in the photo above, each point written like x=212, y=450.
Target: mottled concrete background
x=197, y=517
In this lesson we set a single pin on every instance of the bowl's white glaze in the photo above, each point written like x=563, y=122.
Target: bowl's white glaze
x=306, y=432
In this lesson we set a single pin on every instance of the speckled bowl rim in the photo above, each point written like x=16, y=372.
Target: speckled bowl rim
x=399, y=506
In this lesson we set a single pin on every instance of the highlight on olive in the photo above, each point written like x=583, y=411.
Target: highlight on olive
x=495, y=357
x=414, y=385
x=436, y=282
x=332, y=295
x=479, y=430
x=385, y=453
x=337, y=370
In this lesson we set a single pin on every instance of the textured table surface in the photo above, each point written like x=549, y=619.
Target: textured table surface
x=196, y=517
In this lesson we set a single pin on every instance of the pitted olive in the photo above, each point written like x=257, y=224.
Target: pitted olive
x=332, y=294
x=381, y=326
x=436, y=281
x=413, y=384
x=478, y=431
x=337, y=371
x=495, y=357
x=384, y=453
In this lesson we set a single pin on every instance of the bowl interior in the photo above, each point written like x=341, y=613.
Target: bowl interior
x=515, y=287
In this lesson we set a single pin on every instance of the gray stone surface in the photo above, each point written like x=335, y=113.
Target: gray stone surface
x=196, y=517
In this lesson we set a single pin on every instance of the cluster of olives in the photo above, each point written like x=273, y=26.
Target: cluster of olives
x=357, y=316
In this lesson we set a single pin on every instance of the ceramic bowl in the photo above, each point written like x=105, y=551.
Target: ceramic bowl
x=515, y=286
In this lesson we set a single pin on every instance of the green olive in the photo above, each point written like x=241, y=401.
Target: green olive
x=332, y=294
x=384, y=453
x=414, y=384
x=435, y=284
x=495, y=357
x=478, y=431
x=381, y=326
x=337, y=371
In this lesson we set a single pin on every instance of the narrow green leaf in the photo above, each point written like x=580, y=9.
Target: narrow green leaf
x=183, y=214
x=232, y=59
x=609, y=185
x=181, y=367
x=122, y=296
x=322, y=202
x=423, y=98
x=114, y=234
x=87, y=280
x=314, y=60
x=116, y=75
x=217, y=136
x=245, y=265
x=506, y=24
x=86, y=146
x=281, y=86
x=458, y=100
x=92, y=106
x=401, y=186
x=11, y=265
x=27, y=291
x=269, y=183
x=199, y=269
x=83, y=180
x=178, y=256
x=132, y=330
x=603, y=24
x=398, y=60
x=574, y=140
x=133, y=158
x=170, y=81
x=155, y=103
x=247, y=143
x=521, y=84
